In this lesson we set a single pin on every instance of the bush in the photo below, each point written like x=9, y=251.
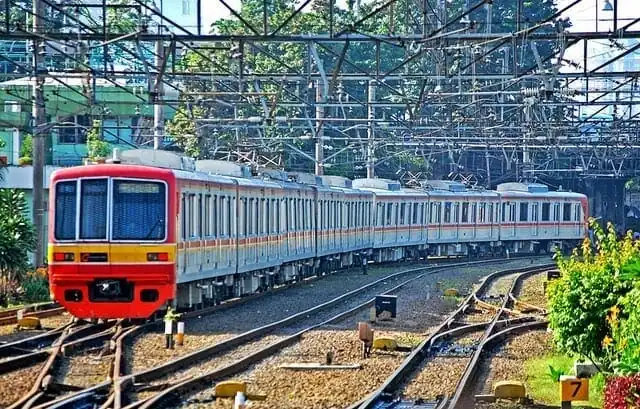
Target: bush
x=622, y=392
x=35, y=287
x=17, y=236
x=591, y=284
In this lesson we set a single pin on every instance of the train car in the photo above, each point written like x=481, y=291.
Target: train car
x=399, y=219
x=533, y=219
x=345, y=228
x=112, y=240
x=463, y=221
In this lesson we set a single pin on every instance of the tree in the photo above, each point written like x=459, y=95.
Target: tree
x=17, y=238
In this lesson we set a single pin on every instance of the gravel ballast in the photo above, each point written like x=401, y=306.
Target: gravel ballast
x=147, y=349
x=420, y=307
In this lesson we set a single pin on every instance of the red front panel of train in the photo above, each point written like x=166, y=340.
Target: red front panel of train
x=112, y=248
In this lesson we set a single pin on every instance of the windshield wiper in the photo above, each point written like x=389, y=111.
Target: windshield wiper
x=148, y=236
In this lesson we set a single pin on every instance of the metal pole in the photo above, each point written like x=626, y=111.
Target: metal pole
x=371, y=160
x=38, y=116
x=319, y=129
x=158, y=113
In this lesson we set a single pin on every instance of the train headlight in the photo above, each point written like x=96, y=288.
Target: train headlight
x=157, y=257
x=63, y=257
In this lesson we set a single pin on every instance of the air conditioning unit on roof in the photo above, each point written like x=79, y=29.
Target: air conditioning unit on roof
x=337, y=181
x=448, y=185
x=155, y=158
x=522, y=187
x=223, y=168
x=382, y=184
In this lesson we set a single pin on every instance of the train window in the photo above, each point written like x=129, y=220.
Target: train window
x=139, y=210
x=504, y=211
x=230, y=224
x=512, y=212
x=556, y=212
x=577, y=213
x=285, y=210
x=193, y=215
x=93, y=209
x=183, y=222
x=534, y=211
x=465, y=212
x=403, y=214
x=524, y=211
x=256, y=215
x=448, y=206
x=546, y=212
x=276, y=210
x=199, y=221
x=206, y=213
x=263, y=214
x=456, y=212
x=482, y=208
x=65, y=210
x=566, y=212
x=472, y=214
x=389, y=213
x=244, y=217
x=268, y=218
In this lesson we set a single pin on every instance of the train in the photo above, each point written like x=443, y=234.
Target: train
x=151, y=229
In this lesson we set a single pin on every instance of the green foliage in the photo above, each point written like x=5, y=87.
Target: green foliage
x=35, y=288
x=96, y=147
x=26, y=148
x=556, y=373
x=17, y=238
x=590, y=285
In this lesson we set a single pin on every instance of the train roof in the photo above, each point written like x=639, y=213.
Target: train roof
x=519, y=189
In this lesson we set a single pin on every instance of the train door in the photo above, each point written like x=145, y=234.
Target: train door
x=577, y=217
x=184, y=236
x=435, y=220
x=473, y=218
x=556, y=219
x=285, y=226
x=534, y=218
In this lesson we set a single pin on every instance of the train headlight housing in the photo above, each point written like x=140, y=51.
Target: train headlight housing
x=63, y=257
x=157, y=257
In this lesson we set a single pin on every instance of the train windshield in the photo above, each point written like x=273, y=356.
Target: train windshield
x=139, y=210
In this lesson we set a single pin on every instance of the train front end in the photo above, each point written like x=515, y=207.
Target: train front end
x=112, y=242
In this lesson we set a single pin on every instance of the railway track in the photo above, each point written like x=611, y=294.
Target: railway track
x=51, y=367
x=447, y=363
x=288, y=333
x=115, y=391
x=10, y=316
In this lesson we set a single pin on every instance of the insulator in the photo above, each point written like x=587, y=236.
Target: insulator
x=530, y=92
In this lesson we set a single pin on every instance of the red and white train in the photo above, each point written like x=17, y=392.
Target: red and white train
x=127, y=238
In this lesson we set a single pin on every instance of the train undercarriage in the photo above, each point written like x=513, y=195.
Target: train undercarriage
x=206, y=293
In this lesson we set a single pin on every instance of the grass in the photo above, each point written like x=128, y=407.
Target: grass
x=543, y=389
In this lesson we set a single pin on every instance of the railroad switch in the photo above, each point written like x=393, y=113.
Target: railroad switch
x=29, y=323
x=229, y=390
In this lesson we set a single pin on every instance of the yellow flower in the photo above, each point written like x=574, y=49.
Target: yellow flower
x=607, y=341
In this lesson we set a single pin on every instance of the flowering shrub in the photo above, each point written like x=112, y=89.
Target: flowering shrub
x=622, y=392
x=581, y=300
